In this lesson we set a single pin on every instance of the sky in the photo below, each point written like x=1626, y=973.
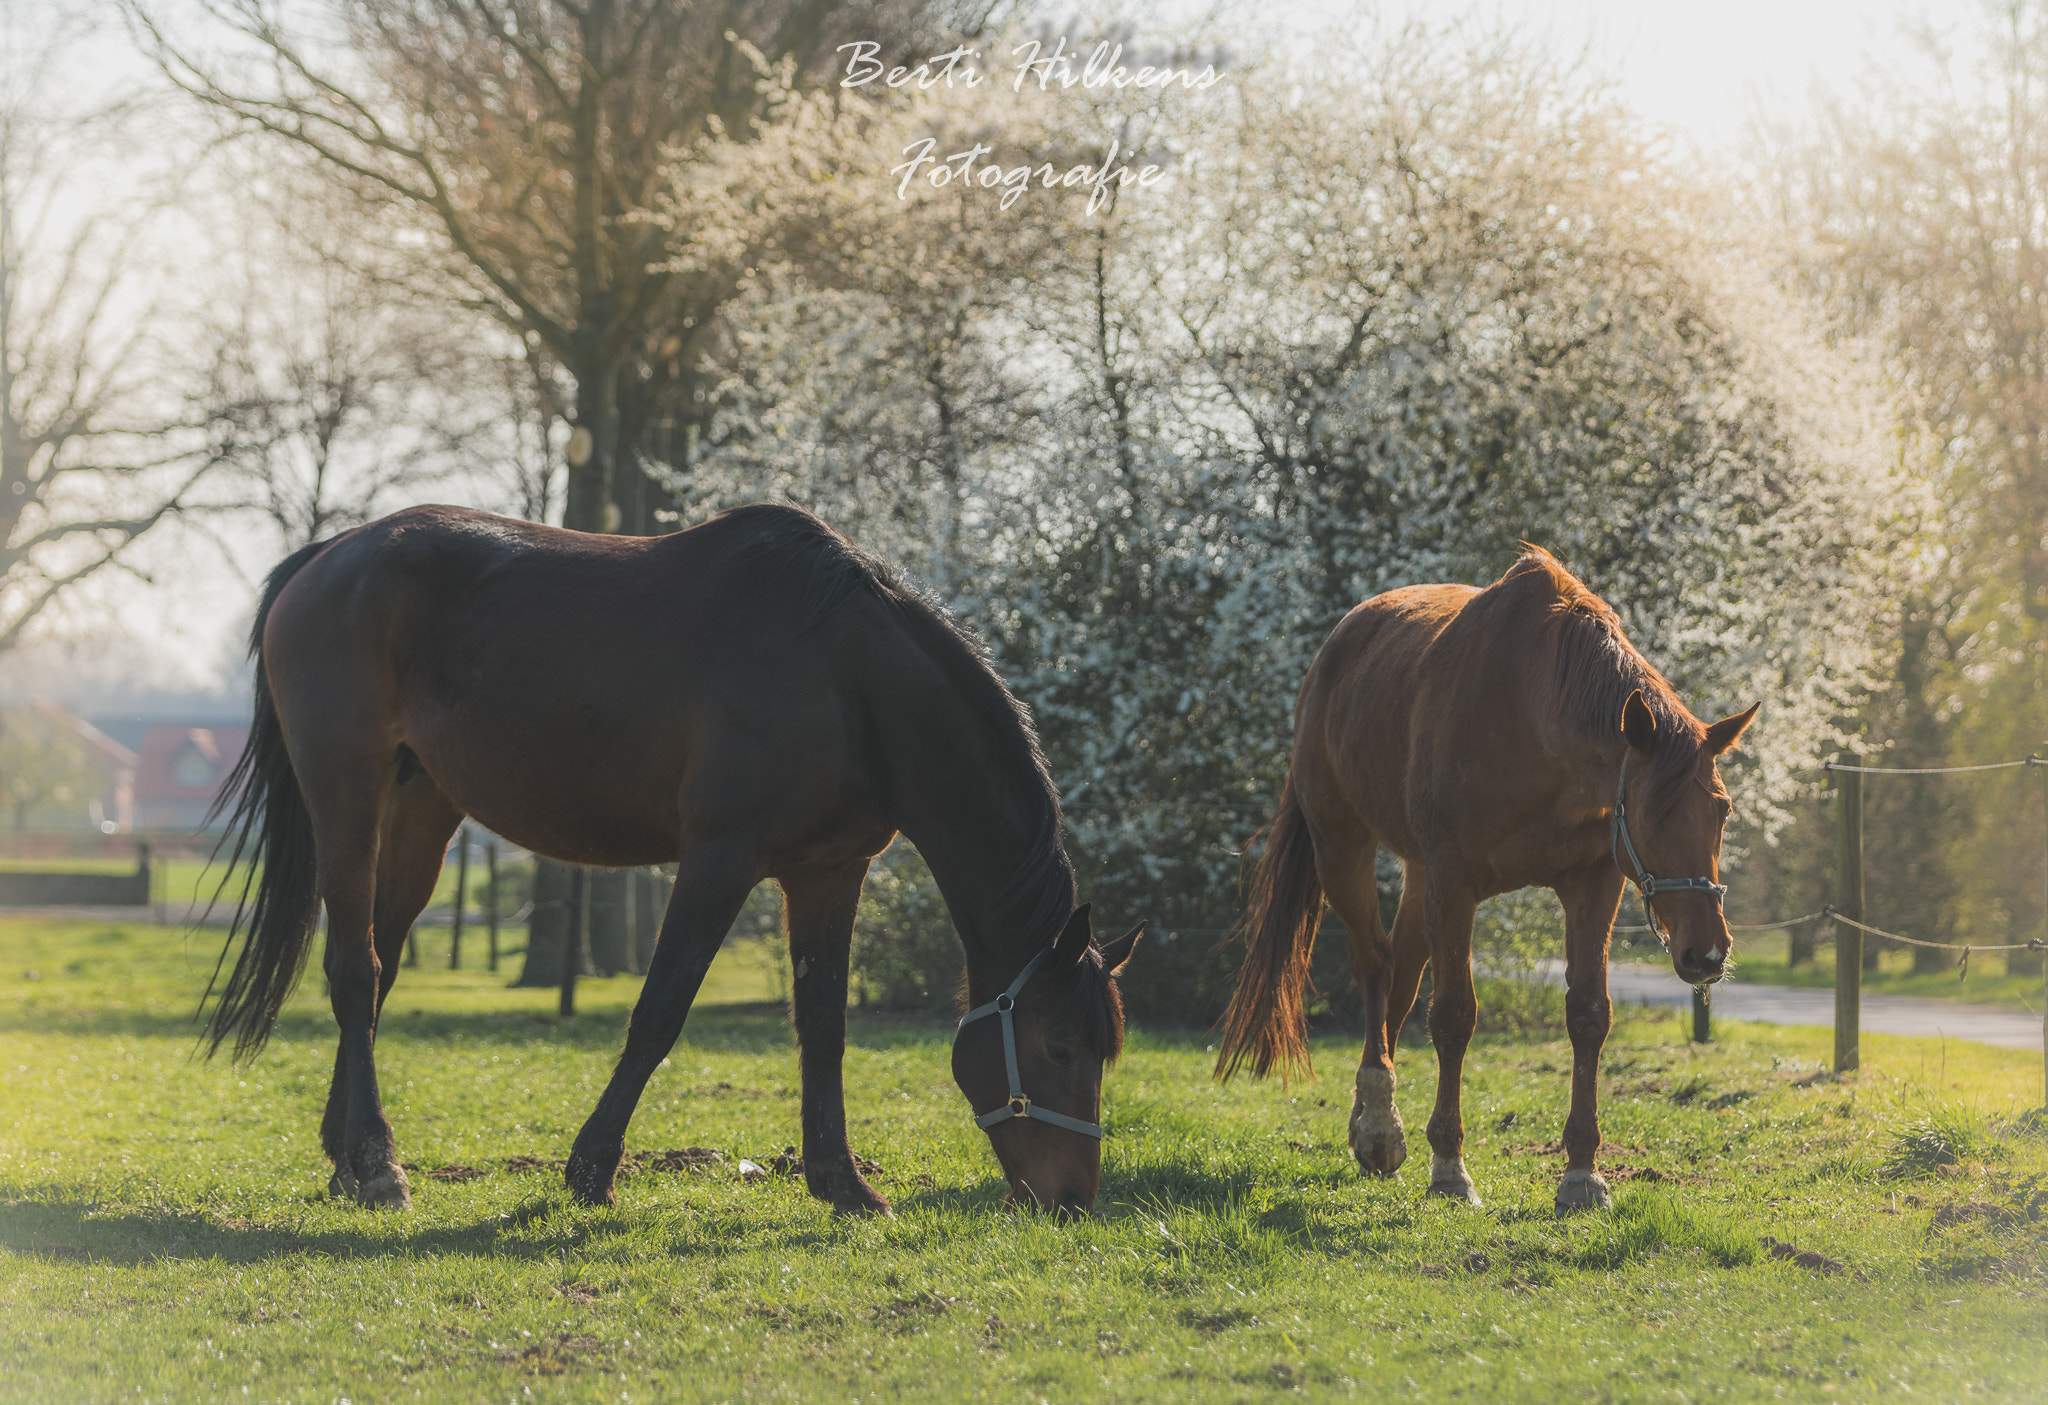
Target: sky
x=1697, y=67
x=1699, y=70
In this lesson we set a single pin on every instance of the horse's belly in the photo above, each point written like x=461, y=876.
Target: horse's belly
x=613, y=809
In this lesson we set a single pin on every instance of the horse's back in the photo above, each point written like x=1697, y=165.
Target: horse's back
x=574, y=691
x=1355, y=718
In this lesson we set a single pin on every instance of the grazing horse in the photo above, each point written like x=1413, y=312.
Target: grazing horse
x=753, y=698
x=1492, y=739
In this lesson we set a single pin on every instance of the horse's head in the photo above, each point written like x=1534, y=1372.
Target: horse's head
x=1067, y=1023
x=1668, y=835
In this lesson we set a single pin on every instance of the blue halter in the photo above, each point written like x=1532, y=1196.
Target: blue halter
x=1019, y=1105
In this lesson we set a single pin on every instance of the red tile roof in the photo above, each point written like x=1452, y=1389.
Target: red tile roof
x=186, y=763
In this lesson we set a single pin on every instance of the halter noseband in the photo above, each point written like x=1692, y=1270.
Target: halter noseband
x=1647, y=883
x=1019, y=1105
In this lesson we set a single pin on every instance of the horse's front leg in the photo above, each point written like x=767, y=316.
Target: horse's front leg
x=820, y=908
x=712, y=883
x=1590, y=899
x=1453, y=1015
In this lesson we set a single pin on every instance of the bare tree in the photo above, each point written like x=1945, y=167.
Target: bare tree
x=340, y=394
x=96, y=448
x=532, y=136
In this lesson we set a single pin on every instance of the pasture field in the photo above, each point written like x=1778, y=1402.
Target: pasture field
x=1778, y=1234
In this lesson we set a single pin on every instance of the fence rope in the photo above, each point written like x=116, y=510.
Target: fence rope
x=1830, y=914
x=2030, y=944
x=1930, y=770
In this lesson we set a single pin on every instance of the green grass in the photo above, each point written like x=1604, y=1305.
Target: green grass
x=164, y=1232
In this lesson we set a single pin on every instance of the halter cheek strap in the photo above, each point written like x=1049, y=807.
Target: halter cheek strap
x=1018, y=1105
x=1647, y=883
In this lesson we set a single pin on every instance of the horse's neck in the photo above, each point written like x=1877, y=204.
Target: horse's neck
x=977, y=813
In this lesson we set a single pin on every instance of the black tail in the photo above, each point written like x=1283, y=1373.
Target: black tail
x=1266, y=1022
x=273, y=830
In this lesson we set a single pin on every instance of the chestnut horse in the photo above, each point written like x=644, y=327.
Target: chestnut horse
x=1492, y=739
x=753, y=698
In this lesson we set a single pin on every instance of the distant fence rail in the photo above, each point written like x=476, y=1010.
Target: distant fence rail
x=57, y=889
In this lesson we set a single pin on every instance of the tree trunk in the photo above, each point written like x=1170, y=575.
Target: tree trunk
x=547, y=933
x=610, y=948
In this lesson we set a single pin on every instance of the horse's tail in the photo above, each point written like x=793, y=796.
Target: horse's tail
x=279, y=905
x=1265, y=1022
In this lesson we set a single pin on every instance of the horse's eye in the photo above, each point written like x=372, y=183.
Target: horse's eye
x=1060, y=1054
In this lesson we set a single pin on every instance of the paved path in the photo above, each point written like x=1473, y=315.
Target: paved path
x=1632, y=983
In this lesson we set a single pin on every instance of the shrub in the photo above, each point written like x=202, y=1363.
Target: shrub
x=1512, y=939
x=906, y=955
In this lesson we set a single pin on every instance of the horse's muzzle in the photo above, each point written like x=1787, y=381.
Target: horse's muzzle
x=1701, y=967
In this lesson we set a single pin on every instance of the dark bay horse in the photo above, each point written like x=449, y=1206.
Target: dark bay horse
x=753, y=698
x=1492, y=740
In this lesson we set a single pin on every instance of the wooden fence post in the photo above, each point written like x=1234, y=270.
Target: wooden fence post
x=2042, y=765
x=1702, y=1023
x=1849, y=903
x=461, y=891
x=491, y=859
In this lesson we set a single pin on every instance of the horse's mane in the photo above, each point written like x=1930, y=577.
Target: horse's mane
x=1597, y=668
x=832, y=570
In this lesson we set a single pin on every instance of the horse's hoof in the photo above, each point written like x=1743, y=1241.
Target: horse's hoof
x=388, y=1189
x=342, y=1184
x=1582, y=1190
x=590, y=1180
x=847, y=1191
x=1377, y=1137
x=1448, y=1178
x=872, y=1205
x=1380, y=1155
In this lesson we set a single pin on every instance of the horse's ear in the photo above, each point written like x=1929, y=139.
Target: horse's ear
x=1638, y=726
x=1118, y=953
x=1072, y=943
x=1728, y=730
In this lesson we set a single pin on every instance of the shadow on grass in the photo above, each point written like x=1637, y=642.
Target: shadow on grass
x=545, y=1221
x=538, y=1229
x=66, y=1230
x=753, y=1027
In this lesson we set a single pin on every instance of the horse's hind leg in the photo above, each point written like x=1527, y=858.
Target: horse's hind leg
x=1378, y=1139
x=1453, y=1015
x=412, y=839
x=820, y=909
x=712, y=883
x=1590, y=899
x=1411, y=956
